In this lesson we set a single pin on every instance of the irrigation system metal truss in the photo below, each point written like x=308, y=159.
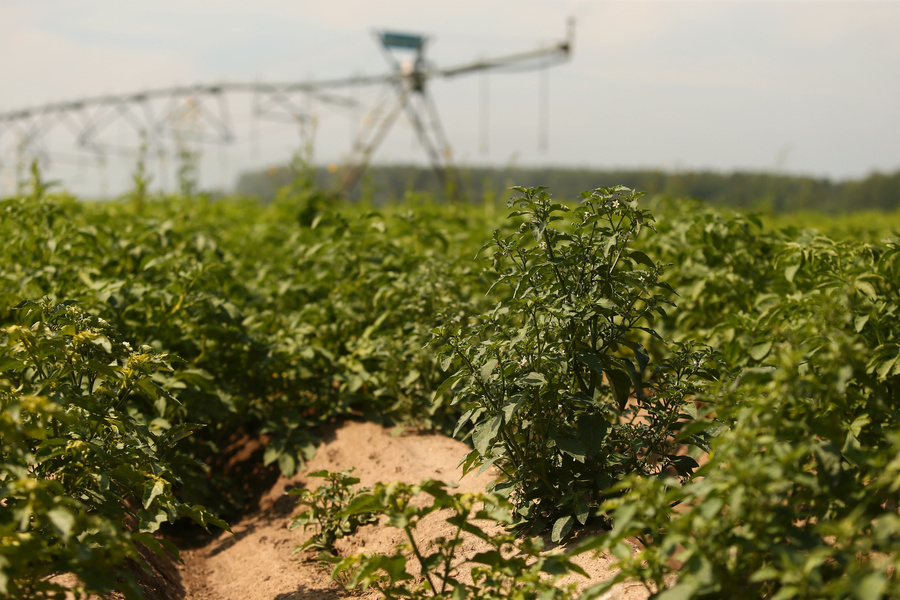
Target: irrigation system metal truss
x=168, y=120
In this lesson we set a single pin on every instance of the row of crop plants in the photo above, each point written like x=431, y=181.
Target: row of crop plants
x=140, y=338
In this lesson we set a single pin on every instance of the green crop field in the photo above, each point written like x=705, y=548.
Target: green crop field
x=596, y=351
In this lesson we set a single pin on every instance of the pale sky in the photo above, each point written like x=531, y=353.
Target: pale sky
x=799, y=87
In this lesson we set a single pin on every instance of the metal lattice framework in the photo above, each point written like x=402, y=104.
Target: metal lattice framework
x=198, y=111
x=200, y=114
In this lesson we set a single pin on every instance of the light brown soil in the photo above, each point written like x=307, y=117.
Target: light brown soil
x=255, y=562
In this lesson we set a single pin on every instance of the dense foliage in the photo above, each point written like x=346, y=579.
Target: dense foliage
x=152, y=334
x=798, y=498
x=139, y=339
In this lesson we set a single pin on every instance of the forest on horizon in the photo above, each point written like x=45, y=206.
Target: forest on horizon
x=767, y=192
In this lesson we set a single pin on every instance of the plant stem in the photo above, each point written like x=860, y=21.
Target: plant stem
x=449, y=559
x=420, y=558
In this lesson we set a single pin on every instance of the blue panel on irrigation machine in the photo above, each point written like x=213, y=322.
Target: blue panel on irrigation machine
x=406, y=41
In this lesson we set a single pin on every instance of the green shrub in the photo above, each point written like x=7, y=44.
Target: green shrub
x=559, y=392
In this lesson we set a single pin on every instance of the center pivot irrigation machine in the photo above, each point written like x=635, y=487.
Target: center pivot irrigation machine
x=167, y=121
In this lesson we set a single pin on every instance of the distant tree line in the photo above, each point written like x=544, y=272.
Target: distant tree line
x=740, y=190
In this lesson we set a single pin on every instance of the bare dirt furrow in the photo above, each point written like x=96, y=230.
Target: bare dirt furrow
x=255, y=562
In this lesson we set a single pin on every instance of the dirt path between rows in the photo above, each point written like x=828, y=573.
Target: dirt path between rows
x=255, y=562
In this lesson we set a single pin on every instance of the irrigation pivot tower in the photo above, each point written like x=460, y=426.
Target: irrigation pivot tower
x=409, y=78
x=411, y=95
x=200, y=113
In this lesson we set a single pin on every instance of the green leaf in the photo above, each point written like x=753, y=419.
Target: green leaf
x=445, y=385
x=592, y=430
x=858, y=423
x=180, y=432
x=642, y=258
x=640, y=353
x=487, y=368
x=99, y=367
x=512, y=406
x=852, y=451
x=152, y=489
x=63, y=519
x=873, y=585
x=103, y=342
x=395, y=567
x=361, y=503
x=561, y=528
x=4, y=578
x=623, y=517
x=202, y=517
x=591, y=361
x=620, y=385
x=572, y=447
x=582, y=512
x=460, y=592
x=606, y=303
x=150, y=520
x=791, y=271
x=682, y=591
x=273, y=451
x=608, y=245
x=866, y=288
x=760, y=351
x=148, y=387
x=162, y=547
x=10, y=364
x=884, y=369
x=464, y=418
x=788, y=591
x=287, y=463
x=485, y=433
x=410, y=378
x=489, y=557
x=683, y=464
x=534, y=378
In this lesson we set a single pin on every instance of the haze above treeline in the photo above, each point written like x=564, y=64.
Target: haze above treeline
x=768, y=192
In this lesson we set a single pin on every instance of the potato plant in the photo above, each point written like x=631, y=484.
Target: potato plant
x=799, y=497
x=85, y=475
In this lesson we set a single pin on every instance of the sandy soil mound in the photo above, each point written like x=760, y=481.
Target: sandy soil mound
x=255, y=562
